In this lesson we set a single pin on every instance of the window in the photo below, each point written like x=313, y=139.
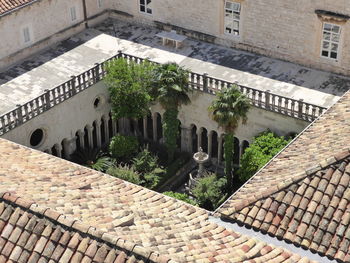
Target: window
x=232, y=17
x=26, y=35
x=330, y=40
x=73, y=13
x=146, y=6
x=99, y=3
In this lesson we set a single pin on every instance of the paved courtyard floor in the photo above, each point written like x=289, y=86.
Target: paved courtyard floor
x=54, y=66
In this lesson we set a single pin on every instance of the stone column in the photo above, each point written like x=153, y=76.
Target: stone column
x=98, y=133
x=90, y=138
x=69, y=146
x=186, y=139
x=58, y=148
x=155, y=130
x=145, y=135
x=105, y=125
x=124, y=126
x=210, y=143
x=220, y=148
x=81, y=134
x=199, y=139
x=114, y=127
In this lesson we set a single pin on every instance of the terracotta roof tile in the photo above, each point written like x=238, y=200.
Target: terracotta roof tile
x=8, y=5
x=145, y=224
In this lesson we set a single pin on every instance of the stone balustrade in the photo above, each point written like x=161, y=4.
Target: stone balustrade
x=201, y=82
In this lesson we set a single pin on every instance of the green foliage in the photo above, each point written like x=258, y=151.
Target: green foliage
x=265, y=146
x=171, y=131
x=229, y=108
x=182, y=197
x=146, y=164
x=209, y=191
x=129, y=85
x=126, y=173
x=171, y=89
x=92, y=158
x=170, y=85
x=123, y=147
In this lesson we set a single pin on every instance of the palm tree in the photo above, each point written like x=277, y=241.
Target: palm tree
x=171, y=89
x=228, y=109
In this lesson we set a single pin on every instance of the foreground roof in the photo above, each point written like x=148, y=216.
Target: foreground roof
x=303, y=194
x=171, y=228
x=9, y=5
x=29, y=233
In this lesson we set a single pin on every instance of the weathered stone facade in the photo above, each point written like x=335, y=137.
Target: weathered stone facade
x=290, y=30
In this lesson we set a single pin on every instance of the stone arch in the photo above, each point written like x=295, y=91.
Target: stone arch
x=236, y=151
x=103, y=131
x=149, y=125
x=213, y=137
x=203, y=133
x=194, y=138
x=77, y=141
x=245, y=145
x=94, y=134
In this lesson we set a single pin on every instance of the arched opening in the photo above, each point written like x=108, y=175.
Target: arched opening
x=110, y=126
x=245, y=145
x=140, y=127
x=214, y=144
x=86, y=138
x=194, y=138
x=159, y=127
x=54, y=151
x=204, y=139
x=77, y=141
x=223, y=145
x=94, y=135
x=63, y=149
x=178, y=139
x=149, y=126
x=103, y=134
x=235, y=151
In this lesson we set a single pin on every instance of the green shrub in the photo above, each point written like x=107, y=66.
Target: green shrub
x=123, y=147
x=182, y=197
x=146, y=164
x=265, y=146
x=145, y=161
x=126, y=173
x=209, y=190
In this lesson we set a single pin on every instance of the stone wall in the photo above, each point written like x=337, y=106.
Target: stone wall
x=289, y=29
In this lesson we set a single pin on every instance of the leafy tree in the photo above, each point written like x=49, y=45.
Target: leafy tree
x=126, y=173
x=228, y=109
x=92, y=158
x=209, y=191
x=171, y=89
x=265, y=146
x=123, y=147
x=129, y=85
x=182, y=197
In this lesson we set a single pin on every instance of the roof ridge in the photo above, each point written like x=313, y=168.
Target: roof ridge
x=284, y=184
x=83, y=228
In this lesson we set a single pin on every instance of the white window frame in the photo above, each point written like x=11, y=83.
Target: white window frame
x=73, y=13
x=332, y=38
x=235, y=17
x=99, y=3
x=147, y=6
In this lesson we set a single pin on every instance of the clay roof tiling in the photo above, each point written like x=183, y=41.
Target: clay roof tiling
x=8, y=5
x=170, y=228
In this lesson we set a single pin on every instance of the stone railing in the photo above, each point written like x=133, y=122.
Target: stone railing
x=261, y=99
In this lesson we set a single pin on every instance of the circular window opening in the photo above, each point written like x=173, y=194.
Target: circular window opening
x=97, y=102
x=37, y=137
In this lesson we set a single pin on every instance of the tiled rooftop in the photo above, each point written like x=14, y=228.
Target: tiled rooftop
x=313, y=212
x=324, y=138
x=29, y=233
x=158, y=223
x=8, y=5
x=29, y=79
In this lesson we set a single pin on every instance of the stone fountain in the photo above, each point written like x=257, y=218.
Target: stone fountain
x=201, y=158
